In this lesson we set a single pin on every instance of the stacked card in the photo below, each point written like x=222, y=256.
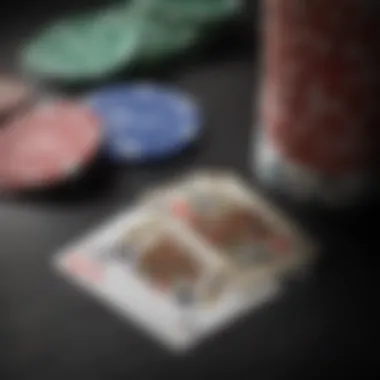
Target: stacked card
x=189, y=258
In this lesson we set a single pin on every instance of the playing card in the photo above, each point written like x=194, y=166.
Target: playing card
x=230, y=218
x=149, y=268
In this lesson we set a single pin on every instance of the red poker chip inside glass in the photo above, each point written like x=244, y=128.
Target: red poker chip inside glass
x=47, y=145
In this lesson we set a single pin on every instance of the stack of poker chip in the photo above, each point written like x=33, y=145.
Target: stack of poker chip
x=46, y=145
x=144, y=122
x=98, y=44
x=54, y=141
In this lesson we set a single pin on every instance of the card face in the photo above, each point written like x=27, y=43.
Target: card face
x=151, y=270
x=233, y=220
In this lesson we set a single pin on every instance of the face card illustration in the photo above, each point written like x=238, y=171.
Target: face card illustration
x=170, y=261
x=232, y=219
x=148, y=268
x=189, y=258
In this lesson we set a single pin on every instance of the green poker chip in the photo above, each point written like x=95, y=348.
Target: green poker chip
x=161, y=37
x=158, y=40
x=98, y=44
x=195, y=11
x=83, y=47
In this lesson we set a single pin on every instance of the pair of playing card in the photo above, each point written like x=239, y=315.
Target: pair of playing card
x=189, y=257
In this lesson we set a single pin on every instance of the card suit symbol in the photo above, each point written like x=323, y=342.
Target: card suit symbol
x=182, y=210
x=84, y=268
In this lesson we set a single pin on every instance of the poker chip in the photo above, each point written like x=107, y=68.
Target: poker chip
x=97, y=44
x=83, y=47
x=195, y=11
x=159, y=40
x=14, y=93
x=146, y=122
x=47, y=145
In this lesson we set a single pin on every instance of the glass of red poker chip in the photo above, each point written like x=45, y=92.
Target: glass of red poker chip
x=319, y=103
x=47, y=145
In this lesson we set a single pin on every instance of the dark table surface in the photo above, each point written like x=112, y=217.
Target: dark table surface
x=48, y=330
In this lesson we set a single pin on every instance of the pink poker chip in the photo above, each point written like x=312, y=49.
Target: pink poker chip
x=47, y=145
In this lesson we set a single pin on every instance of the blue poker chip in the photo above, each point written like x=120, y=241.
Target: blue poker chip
x=146, y=122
